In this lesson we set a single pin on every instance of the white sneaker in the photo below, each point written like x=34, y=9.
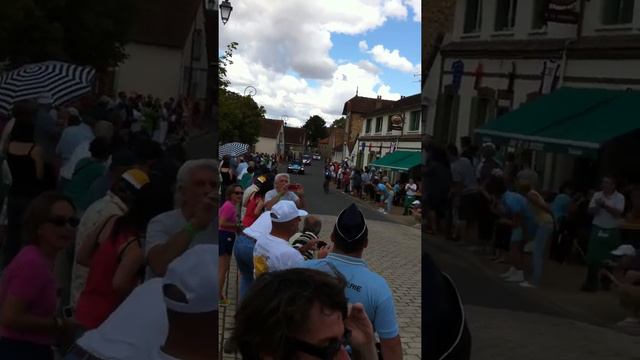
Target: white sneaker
x=526, y=284
x=508, y=273
x=517, y=276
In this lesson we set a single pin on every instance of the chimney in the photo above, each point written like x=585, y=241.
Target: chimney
x=378, y=102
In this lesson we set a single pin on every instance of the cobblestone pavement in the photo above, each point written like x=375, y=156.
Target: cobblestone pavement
x=394, y=252
x=504, y=334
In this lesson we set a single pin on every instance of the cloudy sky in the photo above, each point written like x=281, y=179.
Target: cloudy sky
x=308, y=57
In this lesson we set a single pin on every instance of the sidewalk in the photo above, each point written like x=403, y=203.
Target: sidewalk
x=560, y=287
x=396, y=211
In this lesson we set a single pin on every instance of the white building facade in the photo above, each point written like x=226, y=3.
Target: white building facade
x=504, y=53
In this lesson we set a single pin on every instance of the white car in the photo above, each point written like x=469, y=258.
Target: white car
x=306, y=160
x=316, y=157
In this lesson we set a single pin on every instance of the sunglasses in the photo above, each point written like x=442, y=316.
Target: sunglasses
x=62, y=221
x=327, y=352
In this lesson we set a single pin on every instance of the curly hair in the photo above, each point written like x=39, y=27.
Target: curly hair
x=277, y=309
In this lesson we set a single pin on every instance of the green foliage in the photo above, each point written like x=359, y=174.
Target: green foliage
x=316, y=129
x=339, y=123
x=238, y=118
x=223, y=62
x=86, y=32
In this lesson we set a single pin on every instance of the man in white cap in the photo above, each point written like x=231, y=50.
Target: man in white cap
x=626, y=276
x=175, y=317
x=272, y=251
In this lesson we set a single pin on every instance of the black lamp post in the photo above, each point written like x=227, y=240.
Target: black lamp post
x=225, y=11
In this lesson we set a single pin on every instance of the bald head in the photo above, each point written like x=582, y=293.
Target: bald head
x=312, y=224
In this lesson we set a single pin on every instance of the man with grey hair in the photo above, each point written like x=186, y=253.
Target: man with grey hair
x=170, y=234
x=281, y=192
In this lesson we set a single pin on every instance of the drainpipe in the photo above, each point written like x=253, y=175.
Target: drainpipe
x=563, y=67
x=569, y=42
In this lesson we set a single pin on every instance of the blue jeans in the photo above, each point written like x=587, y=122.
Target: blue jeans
x=543, y=235
x=243, y=251
x=389, y=202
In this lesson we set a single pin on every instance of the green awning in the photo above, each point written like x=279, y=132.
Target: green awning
x=569, y=120
x=399, y=160
x=391, y=158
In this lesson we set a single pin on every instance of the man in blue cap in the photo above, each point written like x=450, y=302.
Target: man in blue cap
x=350, y=238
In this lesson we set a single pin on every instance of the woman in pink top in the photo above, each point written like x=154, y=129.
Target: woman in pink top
x=28, y=322
x=228, y=226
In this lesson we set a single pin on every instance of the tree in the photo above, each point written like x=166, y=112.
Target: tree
x=223, y=62
x=316, y=129
x=239, y=118
x=85, y=32
x=339, y=123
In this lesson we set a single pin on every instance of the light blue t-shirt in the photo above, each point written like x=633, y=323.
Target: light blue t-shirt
x=71, y=138
x=515, y=203
x=560, y=206
x=363, y=286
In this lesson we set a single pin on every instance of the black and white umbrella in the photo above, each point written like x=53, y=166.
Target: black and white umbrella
x=61, y=82
x=233, y=149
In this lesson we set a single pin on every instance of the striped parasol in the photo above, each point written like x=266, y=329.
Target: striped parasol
x=233, y=149
x=59, y=81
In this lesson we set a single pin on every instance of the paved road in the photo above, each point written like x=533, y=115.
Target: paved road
x=327, y=204
x=508, y=322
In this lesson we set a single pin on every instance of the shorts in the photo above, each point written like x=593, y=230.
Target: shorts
x=471, y=204
x=226, y=239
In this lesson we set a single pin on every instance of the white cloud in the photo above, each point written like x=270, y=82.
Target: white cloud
x=286, y=95
x=277, y=38
x=416, y=6
x=393, y=59
x=395, y=9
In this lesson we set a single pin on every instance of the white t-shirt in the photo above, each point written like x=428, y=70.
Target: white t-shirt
x=288, y=196
x=164, y=226
x=602, y=217
x=411, y=189
x=139, y=325
x=273, y=254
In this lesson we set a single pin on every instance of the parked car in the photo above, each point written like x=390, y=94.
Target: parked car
x=296, y=166
x=317, y=157
x=306, y=160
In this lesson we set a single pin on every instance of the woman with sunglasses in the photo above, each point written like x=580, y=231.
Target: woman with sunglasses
x=118, y=264
x=228, y=226
x=28, y=322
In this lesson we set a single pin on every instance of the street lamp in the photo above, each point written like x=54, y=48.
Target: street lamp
x=284, y=118
x=250, y=90
x=225, y=11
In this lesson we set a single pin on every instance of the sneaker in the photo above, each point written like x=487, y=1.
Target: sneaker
x=517, y=276
x=526, y=284
x=508, y=273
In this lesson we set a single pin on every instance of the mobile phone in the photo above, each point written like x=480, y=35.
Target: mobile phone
x=321, y=244
x=67, y=312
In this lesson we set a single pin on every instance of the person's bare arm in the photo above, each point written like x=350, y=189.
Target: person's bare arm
x=391, y=348
x=538, y=202
x=161, y=255
x=269, y=204
x=632, y=276
x=125, y=277
x=259, y=207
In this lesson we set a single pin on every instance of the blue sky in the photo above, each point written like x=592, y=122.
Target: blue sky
x=321, y=60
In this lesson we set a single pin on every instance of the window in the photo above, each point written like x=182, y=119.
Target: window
x=506, y=15
x=539, y=11
x=414, y=121
x=379, y=124
x=389, y=124
x=368, y=126
x=617, y=12
x=473, y=17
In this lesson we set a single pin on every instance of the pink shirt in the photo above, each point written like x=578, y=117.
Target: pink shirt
x=228, y=212
x=29, y=277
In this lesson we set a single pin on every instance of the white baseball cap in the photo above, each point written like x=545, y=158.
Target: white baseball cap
x=261, y=226
x=286, y=210
x=195, y=273
x=624, y=250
